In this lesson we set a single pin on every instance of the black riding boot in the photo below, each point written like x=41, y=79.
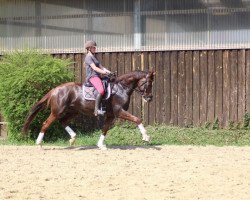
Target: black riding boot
x=97, y=105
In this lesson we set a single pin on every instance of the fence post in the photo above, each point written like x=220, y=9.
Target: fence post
x=3, y=130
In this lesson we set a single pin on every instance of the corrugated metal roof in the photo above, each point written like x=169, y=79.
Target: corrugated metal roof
x=125, y=25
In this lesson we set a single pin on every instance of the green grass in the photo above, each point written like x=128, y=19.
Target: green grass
x=128, y=134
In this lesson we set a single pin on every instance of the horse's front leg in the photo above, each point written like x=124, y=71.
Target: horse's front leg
x=126, y=115
x=109, y=121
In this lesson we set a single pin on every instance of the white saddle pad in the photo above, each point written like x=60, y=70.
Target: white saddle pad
x=89, y=93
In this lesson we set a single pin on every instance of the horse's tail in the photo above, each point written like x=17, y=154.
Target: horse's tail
x=40, y=105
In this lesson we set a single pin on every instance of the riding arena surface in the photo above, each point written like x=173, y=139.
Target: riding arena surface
x=124, y=173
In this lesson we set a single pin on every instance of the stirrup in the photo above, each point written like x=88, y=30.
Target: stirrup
x=99, y=112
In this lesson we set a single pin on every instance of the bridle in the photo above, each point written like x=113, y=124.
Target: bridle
x=139, y=91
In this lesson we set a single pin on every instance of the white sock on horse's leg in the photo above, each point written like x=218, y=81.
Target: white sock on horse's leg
x=101, y=141
x=70, y=131
x=142, y=129
x=145, y=136
x=39, y=138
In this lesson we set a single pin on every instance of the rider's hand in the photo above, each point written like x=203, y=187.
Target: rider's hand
x=111, y=73
x=107, y=73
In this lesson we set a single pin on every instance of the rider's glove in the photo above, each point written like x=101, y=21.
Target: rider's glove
x=107, y=71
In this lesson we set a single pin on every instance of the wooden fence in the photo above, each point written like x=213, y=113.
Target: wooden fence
x=3, y=130
x=192, y=88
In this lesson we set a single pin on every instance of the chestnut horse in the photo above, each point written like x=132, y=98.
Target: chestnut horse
x=66, y=101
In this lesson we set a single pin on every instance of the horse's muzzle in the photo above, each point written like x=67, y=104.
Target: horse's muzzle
x=148, y=98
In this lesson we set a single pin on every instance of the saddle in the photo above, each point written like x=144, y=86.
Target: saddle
x=90, y=93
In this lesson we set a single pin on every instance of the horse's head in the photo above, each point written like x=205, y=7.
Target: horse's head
x=138, y=81
x=145, y=84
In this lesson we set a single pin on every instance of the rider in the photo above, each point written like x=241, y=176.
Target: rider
x=94, y=70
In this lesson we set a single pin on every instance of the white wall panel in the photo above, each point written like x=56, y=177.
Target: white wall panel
x=64, y=26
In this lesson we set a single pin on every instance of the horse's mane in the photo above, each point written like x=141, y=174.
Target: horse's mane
x=136, y=74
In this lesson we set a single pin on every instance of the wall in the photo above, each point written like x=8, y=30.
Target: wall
x=124, y=25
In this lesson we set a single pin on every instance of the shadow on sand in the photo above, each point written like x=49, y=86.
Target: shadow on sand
x=81, y=148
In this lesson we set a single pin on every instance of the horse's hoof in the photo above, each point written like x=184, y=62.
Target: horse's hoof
x=72, y=141
x=102, y=147
x=146, y=138
x=40, y=146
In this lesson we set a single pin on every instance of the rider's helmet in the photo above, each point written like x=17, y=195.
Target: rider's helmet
x=89, y=44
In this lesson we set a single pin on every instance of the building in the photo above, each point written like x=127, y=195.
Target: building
x=200, y=48
x=124, y=25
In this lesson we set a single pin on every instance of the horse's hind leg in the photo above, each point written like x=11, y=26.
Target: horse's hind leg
x=126, y=115
x=64, y=122
x=108, y=123
x=45, y=127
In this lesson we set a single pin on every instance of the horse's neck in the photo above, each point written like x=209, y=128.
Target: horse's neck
x=130, y=81
x=130, y=85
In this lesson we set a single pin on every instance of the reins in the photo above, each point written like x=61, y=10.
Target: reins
x=135, y=89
